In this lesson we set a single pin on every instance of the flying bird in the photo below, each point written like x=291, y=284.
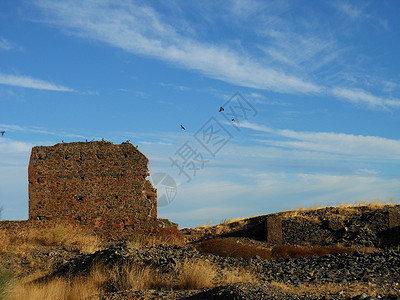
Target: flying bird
x=221, y=109
x=233, y=120
x=2, y=132
x=183, y=127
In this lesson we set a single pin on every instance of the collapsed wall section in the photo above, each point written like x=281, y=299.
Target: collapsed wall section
x=91, y=183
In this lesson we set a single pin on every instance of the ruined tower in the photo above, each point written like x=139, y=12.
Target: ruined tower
x=98, y=184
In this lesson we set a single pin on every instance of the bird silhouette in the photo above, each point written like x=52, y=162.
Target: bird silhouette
x=233, y=120
x=221, y=109
x=2, y=132
x=183, y=127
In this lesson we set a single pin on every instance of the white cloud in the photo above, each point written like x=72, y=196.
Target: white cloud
x=40, y=130
x=323, y=189
x=32, y=83
x=14, y=178
x=389, y=86
x=367, y=172
x=243, y=8
x=306, y=53
x=359, y=96
x=140, y=30
x=200, y=216
x=357, y=146
x=14, y=153
x=350, y=10
x=14, y=191
x=257, y=127
x=358, y=12
x=177, y=87
x=6, y=45
x=215, y=200
x=297, y=53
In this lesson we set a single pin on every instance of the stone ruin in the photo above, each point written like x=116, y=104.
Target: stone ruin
x=363, y=225
x=96, y=184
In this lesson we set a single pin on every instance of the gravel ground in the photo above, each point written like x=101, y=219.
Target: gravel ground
x=377, y=274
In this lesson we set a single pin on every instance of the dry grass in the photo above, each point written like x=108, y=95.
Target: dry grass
x=231, y=224
x=237, y=275
x=370, y=204
x=101, y=279
x=230, y=248
x=234, y=220
x=23, y=244
x=116, y=278
x=196, y=275
x=191, y=275
x=6, y=276
x=303, y=214
x=65, y=236
x=343, y=210
x=5, y=241
x=157, y=236
x=199, y=274
x=225, y=226
x=59, y=288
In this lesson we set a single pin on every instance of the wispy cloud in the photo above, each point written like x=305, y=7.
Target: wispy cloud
x=244, y=8
x=6, y=44
x=32, y=83
x=259, y=98
x=269, y=192
x=140, y=30
x=356, y=146
x=177, y=87
x=352, y=11
x=300, y=52
x=38, y=130
x=10, y=146
x=359, y=96
x=296, y=60
x=358, y=13
x=14, y=153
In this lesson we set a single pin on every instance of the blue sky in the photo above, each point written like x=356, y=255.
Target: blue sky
x=320, y=80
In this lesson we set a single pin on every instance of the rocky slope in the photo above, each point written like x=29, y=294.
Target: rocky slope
x=376, y=275
x=370, y=272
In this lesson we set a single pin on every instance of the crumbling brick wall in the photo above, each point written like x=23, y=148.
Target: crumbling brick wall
x=99, y=184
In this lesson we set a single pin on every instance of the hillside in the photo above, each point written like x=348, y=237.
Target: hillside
x=344, y=252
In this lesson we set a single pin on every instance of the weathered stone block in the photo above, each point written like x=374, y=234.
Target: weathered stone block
x=394, y=217
x=273, y=225
x=335, y=224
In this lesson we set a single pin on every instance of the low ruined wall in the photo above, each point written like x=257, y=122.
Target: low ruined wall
x=367, y=226
x=114, y=231
x=362, y=225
